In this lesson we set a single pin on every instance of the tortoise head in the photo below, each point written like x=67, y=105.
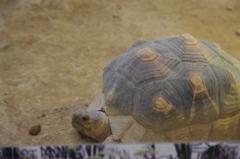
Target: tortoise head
x=92, y=123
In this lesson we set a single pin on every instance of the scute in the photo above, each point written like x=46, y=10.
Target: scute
x=148, y=55
x=172, y=91
x=168, y=88
x=203, y=108
x=119, y=95
x=162, y=105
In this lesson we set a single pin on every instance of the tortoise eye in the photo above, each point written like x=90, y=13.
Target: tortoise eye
x=84, y=118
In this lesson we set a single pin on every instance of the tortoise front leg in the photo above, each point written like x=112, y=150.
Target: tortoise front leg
x=110, y=140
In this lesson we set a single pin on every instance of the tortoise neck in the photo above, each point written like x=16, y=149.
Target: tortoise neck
x=104, y=129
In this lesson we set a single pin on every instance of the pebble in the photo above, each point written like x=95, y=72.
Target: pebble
x=45, y=136
x=5, y=44
x=229, y=8
x=238, y=32
x=35, y=130
x=86, y=104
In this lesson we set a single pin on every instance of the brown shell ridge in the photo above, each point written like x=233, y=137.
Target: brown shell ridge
x=234, y=87
x=226, y=129
x=162, y=105
x=147, y=55
x=194, y=50
x=203, y=108
x=232, y=99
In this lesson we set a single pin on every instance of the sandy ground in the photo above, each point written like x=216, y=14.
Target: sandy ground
x=52, y=53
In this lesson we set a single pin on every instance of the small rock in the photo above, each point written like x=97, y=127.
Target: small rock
x=86, y=104
x=5, y=44
x=237, y=32
x=45, y=136
x=229, y=8
x=42, y=116
x=115, y=16
x=54, y=16
x=35, y=130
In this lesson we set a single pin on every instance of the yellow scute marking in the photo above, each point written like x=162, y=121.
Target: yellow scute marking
x=161, y=105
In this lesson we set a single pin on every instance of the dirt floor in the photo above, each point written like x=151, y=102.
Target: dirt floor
x=52, y=53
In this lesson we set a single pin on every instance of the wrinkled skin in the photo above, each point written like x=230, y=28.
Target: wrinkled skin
x=92, y=123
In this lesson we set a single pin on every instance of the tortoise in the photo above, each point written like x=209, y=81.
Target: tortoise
x=175, y=88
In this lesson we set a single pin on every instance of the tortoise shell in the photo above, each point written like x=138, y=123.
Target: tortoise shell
x=173, y=89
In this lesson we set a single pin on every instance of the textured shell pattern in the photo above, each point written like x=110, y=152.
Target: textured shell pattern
x=174, y=88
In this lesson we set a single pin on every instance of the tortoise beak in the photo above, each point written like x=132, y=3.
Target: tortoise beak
x=75, y=117
x=78, y=120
